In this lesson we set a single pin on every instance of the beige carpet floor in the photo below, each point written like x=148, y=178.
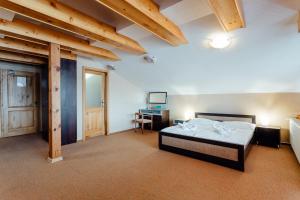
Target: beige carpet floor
x=129, y=166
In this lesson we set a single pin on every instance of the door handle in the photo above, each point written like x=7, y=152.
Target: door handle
x=102, y=102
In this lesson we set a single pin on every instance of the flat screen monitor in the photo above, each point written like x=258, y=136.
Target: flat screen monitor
x=157, y=97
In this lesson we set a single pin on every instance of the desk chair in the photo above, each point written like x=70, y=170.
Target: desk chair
x=141, y=120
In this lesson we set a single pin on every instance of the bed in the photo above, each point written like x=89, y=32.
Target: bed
x=223, y=139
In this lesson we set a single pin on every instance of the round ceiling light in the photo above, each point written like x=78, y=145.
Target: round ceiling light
x=220, y=41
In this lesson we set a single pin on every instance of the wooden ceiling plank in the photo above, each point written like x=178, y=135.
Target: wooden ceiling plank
x=146, y=14
x=21, y=58
x=64, y=17
x=30, y=48
x=27, y=29
x=229, y=13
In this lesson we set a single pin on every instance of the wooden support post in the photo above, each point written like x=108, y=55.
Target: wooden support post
x=54, y=104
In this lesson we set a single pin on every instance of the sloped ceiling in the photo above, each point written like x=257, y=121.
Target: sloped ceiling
x=264, y=56
x=100, y=12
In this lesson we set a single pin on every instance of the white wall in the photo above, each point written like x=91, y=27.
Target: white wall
x=124, y=98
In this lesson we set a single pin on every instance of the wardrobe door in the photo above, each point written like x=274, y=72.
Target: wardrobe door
x=68, y=95
x=68, y=101
x=44, y=102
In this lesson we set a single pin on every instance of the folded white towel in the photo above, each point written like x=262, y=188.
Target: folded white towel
x=187, y=126
x=222, y=130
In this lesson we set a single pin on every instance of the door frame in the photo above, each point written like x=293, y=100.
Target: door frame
x=106, y=80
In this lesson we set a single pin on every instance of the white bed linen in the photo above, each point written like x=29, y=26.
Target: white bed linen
x=235, y=132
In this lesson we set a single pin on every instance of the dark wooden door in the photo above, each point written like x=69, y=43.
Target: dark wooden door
x=68, y=102
x=68, y=95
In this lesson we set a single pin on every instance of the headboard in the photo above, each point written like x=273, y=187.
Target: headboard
x=226, y=117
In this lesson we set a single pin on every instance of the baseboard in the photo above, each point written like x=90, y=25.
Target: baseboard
x=123, y=131
x=54, y=160
x=111, y=133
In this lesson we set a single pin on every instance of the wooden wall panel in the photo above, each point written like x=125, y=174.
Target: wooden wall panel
x=21, y=119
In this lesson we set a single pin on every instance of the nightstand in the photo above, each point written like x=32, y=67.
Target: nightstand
x=268, y=136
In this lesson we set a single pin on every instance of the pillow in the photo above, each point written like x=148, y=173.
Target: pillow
x=201, y=121
x=239, y=125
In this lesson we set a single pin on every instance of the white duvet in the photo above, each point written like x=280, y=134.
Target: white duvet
x=235, y=132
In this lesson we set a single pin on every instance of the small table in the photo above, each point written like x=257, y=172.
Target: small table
x=268, y=136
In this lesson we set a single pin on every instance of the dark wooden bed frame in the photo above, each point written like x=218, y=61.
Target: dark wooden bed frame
x=242, y=152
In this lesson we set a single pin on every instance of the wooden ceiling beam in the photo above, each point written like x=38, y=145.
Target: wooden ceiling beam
x=16, y=45
x=229, y=13
x=26, y=29
x=64, y=17
x=31, y=40
x=24, y=38
x=21, y=58
x=146, y=14
x=298, y=21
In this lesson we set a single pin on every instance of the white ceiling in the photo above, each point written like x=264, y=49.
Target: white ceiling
x=264, y=56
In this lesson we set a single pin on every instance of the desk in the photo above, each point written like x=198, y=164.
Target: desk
x=160, y=118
